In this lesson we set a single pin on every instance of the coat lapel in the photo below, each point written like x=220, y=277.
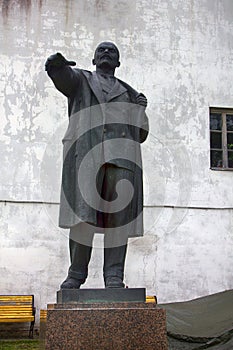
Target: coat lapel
x=116, y=91
x=95, y=85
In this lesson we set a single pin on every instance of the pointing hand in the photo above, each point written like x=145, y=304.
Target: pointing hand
x=58, y=60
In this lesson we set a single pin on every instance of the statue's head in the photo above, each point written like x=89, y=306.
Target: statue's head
x=106, y=55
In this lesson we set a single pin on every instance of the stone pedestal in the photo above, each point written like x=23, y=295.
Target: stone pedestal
x=43, y=322
x=106, y=326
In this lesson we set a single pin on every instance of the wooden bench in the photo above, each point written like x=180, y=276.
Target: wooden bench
x=18, y=308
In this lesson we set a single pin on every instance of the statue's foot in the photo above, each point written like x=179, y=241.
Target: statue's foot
x=114, y=282
x=71, y=283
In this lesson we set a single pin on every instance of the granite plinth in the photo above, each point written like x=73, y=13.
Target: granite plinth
x=104, y=295
x=43, y=321
x=106, y=326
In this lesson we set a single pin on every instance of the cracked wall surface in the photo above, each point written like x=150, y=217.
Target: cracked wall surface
x=179, y=54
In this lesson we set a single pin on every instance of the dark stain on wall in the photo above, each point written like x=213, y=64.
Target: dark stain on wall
x=100, y=4
x=7, y=6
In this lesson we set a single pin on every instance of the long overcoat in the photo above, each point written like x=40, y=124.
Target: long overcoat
x=99, y=131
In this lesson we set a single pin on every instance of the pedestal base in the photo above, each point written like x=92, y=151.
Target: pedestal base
x=103, y=295
x=106, y=326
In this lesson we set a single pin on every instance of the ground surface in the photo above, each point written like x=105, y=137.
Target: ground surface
x=19, y=345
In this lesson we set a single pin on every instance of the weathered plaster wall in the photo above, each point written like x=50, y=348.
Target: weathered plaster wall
x=179, y=53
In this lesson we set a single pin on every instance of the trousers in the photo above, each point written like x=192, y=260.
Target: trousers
x=110, y=222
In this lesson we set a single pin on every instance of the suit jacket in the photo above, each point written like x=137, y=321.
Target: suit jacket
x=99, y=131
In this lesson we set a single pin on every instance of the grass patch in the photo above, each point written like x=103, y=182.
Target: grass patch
x=20, y=345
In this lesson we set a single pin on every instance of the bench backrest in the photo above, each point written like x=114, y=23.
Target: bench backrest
x=17, y=308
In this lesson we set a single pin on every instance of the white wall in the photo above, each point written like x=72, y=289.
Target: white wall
x=179, y=53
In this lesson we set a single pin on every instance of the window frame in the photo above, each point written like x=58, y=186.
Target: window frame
x=224, y=112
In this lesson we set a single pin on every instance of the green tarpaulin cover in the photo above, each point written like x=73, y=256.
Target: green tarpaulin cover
x=203, y=323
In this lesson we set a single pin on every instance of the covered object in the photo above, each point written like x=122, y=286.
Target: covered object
x=203, y=323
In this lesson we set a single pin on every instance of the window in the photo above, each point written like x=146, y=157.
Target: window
x=221, y=139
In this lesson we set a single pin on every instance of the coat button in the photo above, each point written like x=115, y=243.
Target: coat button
x=123, y=134
x=105, y=130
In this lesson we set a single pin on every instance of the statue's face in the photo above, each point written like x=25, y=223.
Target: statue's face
x=106, y=55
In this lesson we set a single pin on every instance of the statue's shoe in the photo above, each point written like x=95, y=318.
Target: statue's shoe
x=114, y=282
x=71, y=283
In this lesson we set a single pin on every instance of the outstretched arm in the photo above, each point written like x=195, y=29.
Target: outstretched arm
x=64, y=78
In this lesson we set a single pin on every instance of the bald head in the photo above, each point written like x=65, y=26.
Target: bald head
x=106, y=56
x=109, y=44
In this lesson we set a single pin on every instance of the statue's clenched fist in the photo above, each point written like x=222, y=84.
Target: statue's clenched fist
x=141, y=100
